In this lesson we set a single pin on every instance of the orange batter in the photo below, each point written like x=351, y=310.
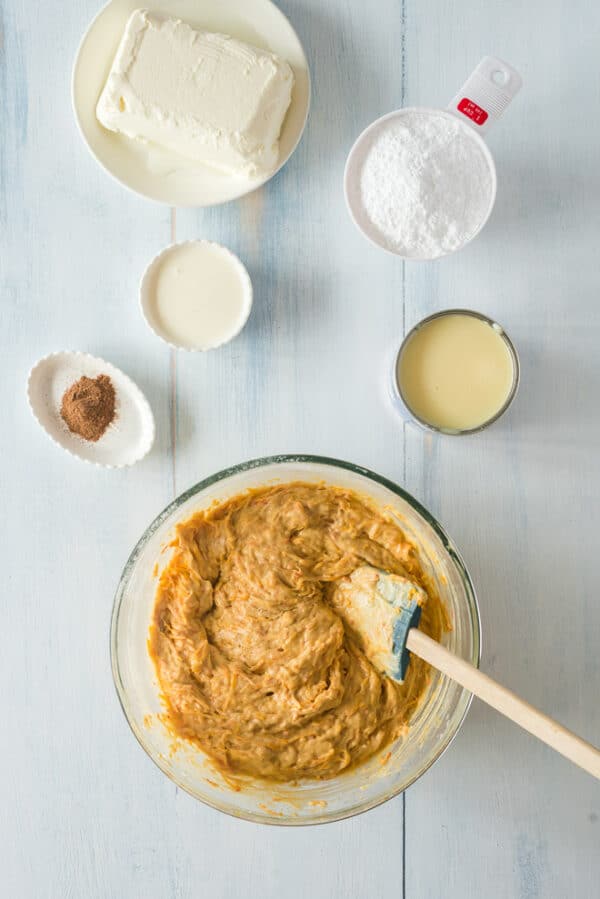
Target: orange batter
x=254, y=664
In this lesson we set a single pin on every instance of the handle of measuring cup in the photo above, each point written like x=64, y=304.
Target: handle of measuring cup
x=486, y=93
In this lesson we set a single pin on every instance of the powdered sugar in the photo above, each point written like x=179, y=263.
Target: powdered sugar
x=426, y=184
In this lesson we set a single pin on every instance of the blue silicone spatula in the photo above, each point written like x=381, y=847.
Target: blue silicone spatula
x=385, y=609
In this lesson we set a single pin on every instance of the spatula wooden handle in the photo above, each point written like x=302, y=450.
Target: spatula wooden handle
x=507, y=703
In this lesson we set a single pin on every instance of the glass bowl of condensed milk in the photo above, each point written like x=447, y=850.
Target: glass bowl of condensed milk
x=456, y=372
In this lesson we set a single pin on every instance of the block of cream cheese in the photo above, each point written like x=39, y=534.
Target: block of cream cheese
x=205, y=96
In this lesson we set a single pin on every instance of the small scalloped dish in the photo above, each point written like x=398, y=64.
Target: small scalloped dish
x=126, y=441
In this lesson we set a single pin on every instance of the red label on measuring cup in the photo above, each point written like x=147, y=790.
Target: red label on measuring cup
x=472, y=111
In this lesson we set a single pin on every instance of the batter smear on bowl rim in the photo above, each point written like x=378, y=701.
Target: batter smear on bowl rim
x=255, y=662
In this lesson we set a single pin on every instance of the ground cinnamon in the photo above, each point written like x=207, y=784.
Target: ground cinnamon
x=88, y=407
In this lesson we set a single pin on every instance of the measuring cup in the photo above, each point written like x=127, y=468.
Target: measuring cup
x=479, y=103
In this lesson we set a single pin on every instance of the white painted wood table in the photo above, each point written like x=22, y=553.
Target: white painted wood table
x=83, y=812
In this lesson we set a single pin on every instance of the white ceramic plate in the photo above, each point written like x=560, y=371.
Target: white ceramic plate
x=155, y=173
x=125, y=442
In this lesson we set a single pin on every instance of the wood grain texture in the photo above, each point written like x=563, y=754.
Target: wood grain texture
x=83, y=812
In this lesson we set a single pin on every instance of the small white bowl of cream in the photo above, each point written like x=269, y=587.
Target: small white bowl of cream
x=196, y=295
x=456, y=372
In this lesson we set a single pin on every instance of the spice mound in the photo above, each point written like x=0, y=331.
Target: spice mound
x=256, y=662
x=88, y=407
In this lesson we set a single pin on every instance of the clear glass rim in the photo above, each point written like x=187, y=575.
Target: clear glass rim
x=249, y=466
x=514, y=386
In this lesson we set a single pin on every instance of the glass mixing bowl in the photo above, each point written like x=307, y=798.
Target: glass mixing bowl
x=434, y=725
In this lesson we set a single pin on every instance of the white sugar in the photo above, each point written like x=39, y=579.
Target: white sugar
x=426, y=184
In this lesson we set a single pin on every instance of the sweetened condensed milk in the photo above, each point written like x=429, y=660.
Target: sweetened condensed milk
x=456, y=371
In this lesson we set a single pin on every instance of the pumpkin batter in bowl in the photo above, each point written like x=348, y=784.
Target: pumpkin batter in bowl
x=255, y=663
